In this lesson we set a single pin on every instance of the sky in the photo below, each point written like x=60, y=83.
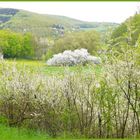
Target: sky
x=87, y=11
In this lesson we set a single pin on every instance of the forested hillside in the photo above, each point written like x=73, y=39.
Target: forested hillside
x=44, y=33
x=46, y=25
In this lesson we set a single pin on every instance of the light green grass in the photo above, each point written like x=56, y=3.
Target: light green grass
x=10, y=133
x=41, y=67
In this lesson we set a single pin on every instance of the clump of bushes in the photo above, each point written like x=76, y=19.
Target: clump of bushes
x=70, y=58
x=77, y=104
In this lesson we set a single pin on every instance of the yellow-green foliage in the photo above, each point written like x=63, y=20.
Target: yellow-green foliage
x=15, y=44
x=119, y=32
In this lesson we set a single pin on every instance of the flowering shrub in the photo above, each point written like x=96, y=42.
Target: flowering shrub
x=70, y=58
x=78, y=103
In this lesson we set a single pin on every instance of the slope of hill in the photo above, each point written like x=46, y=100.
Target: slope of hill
x=46, y=25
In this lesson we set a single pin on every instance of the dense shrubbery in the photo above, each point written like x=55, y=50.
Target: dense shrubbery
x=16, y=45
x=76, y=103
x=70, y=58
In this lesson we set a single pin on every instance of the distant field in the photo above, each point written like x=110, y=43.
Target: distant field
x=41, y=67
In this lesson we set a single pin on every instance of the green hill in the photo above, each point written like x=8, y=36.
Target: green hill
x=44, y=25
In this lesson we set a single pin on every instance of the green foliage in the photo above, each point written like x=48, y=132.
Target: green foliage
x=134, y=23
x=15, y=44
x=126, y=38
x=89, y=40
x=3, y=120
x=27, y=49
x=119, y=31
x=10, y=43
x=49, y=54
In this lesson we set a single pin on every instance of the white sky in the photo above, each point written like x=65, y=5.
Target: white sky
x=87, y=11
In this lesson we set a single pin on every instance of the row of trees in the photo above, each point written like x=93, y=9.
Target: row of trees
x=17, y=45
x=89, y=40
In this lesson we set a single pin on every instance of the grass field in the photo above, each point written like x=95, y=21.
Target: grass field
x=41, y=67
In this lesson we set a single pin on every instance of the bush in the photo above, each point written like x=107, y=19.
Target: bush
x=76, y=103
x=70, y=58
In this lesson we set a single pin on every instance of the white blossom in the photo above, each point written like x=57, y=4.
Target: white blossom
x=70, y=58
